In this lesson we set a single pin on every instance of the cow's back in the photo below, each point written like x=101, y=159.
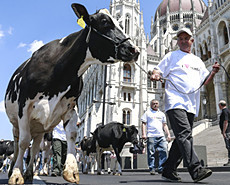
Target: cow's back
x=107, y=134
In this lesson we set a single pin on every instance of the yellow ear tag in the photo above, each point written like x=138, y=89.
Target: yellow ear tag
x=124, y=130
x=81, y=22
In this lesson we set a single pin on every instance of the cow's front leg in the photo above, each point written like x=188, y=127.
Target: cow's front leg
x=24, y=141
x=70, y=172
x=117, y=152
x=16, y=149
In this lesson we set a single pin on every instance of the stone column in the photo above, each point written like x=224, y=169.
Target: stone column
x=218, y=90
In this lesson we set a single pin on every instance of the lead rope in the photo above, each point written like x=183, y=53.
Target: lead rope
x=149, y=74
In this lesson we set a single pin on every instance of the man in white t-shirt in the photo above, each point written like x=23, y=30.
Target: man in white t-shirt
x=154, y=122
x=59, y=146
x=185, y=74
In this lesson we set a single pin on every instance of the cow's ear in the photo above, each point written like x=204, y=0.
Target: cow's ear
x=81, y=11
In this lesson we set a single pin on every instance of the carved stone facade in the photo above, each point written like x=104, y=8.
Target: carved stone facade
x=127, y=84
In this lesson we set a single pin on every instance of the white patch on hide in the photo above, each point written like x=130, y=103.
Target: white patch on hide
x=89, y=60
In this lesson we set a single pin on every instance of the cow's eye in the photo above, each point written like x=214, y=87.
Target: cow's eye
x=104, y=21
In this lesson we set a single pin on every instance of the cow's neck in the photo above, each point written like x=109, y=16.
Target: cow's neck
x=89, y=60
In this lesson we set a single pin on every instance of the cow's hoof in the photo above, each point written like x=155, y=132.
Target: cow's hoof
x=85, y=172
x=16, y=177
x=71, y=176
x=98, y=173
x=70, y=172
x=114, y=173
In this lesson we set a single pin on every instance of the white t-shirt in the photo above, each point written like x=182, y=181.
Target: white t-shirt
x=59, y=132
x=154, y=121
x=187, y=72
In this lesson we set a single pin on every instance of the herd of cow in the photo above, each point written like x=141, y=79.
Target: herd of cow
x=111, y=137
x=44, y=90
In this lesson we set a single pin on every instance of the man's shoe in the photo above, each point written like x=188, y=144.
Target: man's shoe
x=227, y=164
x=54, y=174
x=201, y=174
x=152, y=172
x=170, y=176
x=160, y=171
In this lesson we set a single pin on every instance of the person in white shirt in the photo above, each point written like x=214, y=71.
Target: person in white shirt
x=59, y=146
x=185, y=73
x=154, y=122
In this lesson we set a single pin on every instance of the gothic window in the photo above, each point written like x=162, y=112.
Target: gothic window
x=127, y=73
x=127, y=24
x=206, y=50
x=201, y=53
x=155, y=46
x=188, y=26
x=129, y=96
x=149, y=83
x=124, y=96
x=225, y=35
x=126, y=118
x=175, y=27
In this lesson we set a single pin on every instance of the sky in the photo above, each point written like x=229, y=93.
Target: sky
x=26, y=25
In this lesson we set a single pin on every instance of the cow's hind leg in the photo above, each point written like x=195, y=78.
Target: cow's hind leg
x=70, y=172
x=98, y=156
x=28, y=175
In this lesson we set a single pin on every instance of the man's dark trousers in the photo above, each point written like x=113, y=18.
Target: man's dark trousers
x=182, y=147
x=59, y=155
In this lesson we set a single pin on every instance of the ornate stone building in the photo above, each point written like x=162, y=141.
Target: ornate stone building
x=128, y=90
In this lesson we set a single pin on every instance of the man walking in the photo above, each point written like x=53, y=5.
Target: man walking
x=225, y=126
x=155, y=122
x=185, y=74
x=59, y=146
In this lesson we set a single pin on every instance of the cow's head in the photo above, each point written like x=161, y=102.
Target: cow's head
x=107, y=41
x=88, y=144
x=131, y=134
x=138, y=149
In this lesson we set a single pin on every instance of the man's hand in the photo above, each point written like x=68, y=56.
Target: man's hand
x=144, y=136
x=155, y=75
x=169, y=139
x=216, y=67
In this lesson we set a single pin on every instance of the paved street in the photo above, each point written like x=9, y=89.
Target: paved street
x=131, y=178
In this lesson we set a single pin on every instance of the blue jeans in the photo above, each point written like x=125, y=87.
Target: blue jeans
x=160, y=144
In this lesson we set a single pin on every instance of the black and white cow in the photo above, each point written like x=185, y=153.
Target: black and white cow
x=44, y=90
x=113, y=136
x=6, y=148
